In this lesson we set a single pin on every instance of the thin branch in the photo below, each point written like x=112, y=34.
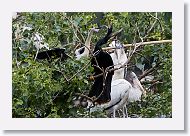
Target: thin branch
x=153, y=24
x=85, y=96
x=78, y=71
x=148, y=71
x=140, y=44
x=158, y=20
x=75, y=27
x=150, y=82
x=158, y=82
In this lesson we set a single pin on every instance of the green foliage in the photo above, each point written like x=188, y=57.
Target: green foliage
x=158, y=105
x=41, y=89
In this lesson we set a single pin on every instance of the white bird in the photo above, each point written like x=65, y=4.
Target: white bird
x=39, y=43
x=119, y=58
x=135, y=93
x=122, y=92
x=84, y=51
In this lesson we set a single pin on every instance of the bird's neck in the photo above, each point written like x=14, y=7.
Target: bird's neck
x=88, y=39
x=119, y=53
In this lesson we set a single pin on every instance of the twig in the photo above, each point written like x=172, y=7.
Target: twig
x=140, y=44
x=152, y=26
x=148, y=71
x=161, y=28
x=78, y=71
x=63, y=75
x=36, y=54
x=142, y=56
x=104, y=80
x=150, y=82
x=158, y=82
x=85, y=96
x=83, y=39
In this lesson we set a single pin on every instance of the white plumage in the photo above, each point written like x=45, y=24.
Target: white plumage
x=39, y=43
x=122, y=92
x=79, y=53
x=119, y=58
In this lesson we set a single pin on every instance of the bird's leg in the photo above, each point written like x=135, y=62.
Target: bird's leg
x=118, y=111
x=114, y=112
x=36, y=54
x=126, y=111
x=124, y=107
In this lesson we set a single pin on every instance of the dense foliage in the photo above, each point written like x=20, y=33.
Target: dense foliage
x=38, y=91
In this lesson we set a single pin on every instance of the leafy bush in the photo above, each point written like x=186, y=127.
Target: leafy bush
x=41, y=89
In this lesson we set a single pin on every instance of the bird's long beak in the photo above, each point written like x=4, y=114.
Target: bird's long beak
x=140, y=86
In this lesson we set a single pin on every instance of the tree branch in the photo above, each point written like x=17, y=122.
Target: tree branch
x=141, y=44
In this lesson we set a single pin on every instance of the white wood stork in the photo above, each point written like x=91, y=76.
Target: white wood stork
x=119, y=58
x=122, y=93
x=134, y=93
x=39, y=43
x=84, y=51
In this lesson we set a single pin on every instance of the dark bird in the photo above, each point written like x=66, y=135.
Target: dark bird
x=52, y=54
x=102, y=61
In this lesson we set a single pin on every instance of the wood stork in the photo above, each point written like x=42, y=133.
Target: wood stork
x=49, y=53
x=134, y=93
x=84, y=51
x=122, y=93
x=119, y=58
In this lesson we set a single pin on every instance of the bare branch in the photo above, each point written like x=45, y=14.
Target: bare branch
x=150, y=82
x=75, y=27
x=152, y=26
x=148, y=71
x=141, y=44
x=157, y=82
x=79, y=71
x=85, y=96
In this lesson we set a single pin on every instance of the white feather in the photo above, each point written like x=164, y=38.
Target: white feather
x=119, y=58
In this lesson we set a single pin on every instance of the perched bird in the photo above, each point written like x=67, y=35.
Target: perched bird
x=134, y=93
x=122, y=93
x=54, y=53
x=101, y=62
